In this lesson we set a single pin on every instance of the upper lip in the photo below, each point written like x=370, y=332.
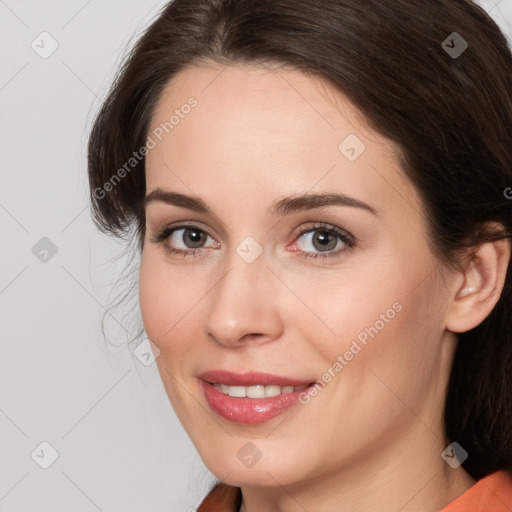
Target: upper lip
x=249, y=379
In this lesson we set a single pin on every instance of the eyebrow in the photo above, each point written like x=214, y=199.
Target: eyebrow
x=281, y=207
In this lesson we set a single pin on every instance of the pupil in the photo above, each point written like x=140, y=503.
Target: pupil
x=195, y=236
x=323, y=239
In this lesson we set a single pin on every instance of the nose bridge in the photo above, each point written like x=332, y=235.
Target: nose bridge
x=241, y=305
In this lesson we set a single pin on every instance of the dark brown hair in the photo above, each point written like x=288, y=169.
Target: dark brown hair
x=449, y=114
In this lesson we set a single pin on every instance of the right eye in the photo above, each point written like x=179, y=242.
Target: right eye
x=191, y=238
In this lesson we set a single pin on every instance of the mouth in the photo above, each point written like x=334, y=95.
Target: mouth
x=250, y=398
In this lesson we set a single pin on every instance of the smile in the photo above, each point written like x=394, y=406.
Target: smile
x=250, y=398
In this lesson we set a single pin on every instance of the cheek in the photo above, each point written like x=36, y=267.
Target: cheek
x=171, y=301
x=393, y=347
x=161, y=299
x=389, y=314
x=151, y=297
x=165, y=294
x=356, y=304
x=166, y=304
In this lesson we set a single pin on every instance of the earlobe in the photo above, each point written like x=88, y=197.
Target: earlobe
x=479, y=286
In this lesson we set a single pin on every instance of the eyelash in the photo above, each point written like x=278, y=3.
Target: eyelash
x=344, y=236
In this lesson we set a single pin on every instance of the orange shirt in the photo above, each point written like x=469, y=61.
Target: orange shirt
x=490, y=494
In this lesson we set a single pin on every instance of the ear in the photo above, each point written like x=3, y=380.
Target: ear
x=478, y=286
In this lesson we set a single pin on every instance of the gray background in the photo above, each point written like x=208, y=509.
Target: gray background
x=119, y=444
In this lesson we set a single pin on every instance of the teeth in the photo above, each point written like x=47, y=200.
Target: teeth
x=238, y=391
x=272, y=391
x=257, y=391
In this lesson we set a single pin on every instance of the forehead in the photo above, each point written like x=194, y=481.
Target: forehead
x=269, y=129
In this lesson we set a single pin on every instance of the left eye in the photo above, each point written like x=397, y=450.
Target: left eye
x=325, y=241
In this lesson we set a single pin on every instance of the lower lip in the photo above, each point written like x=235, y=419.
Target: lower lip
x=249, y=411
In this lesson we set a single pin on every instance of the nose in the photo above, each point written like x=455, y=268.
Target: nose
x=244, y=305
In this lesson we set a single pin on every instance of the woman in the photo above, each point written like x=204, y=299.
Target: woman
x=318, y=190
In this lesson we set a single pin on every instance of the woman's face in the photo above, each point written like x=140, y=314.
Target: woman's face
x=307, y=260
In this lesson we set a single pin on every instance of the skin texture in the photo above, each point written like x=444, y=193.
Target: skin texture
x=372, y=438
